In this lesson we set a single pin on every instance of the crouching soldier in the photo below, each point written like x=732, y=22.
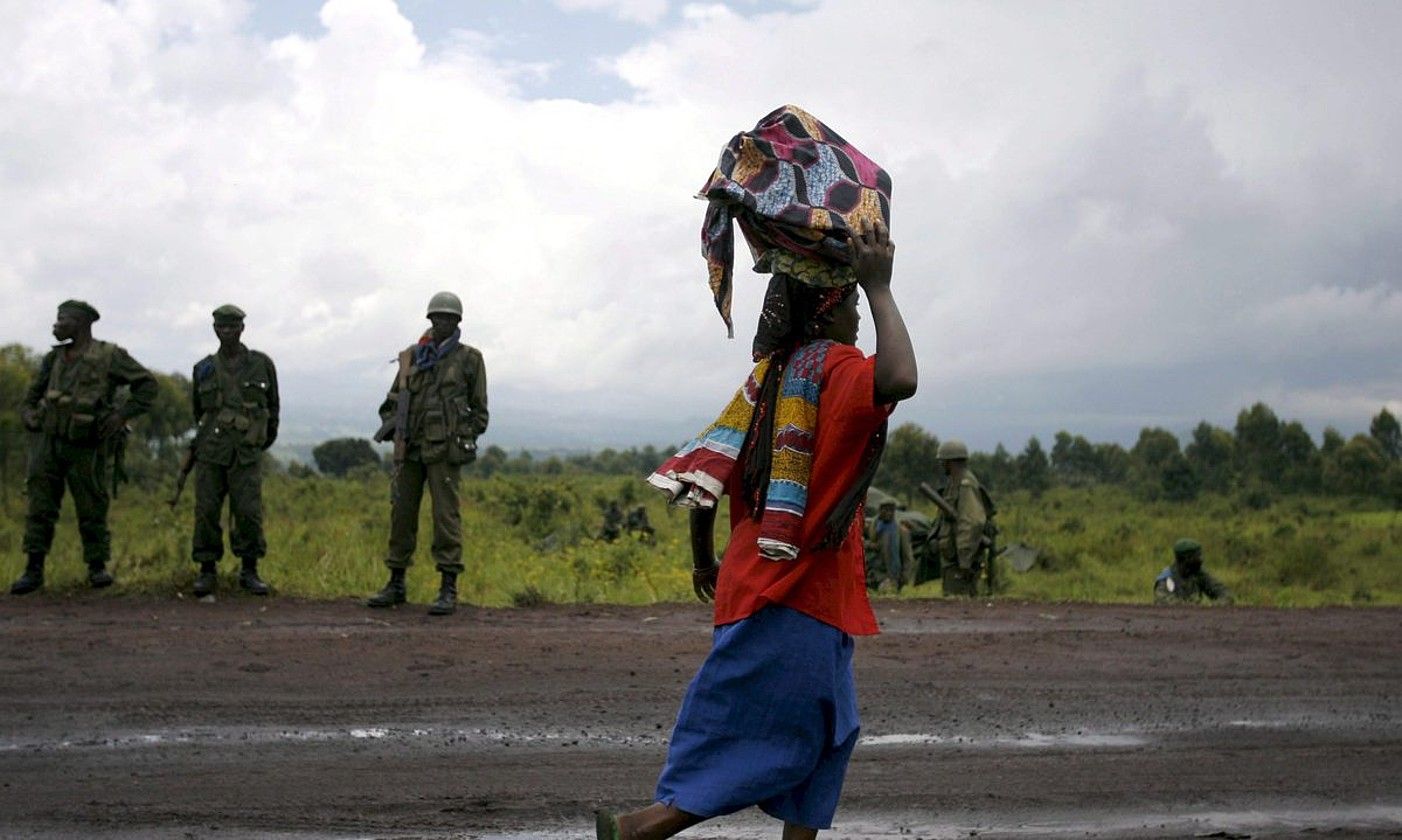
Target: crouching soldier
x=1186, y=581
x=235, y=398
x=435, y=411
x=71, y=403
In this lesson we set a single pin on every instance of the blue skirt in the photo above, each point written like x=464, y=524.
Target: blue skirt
x=769, y=720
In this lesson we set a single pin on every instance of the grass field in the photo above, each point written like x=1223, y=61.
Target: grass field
x=528, y=540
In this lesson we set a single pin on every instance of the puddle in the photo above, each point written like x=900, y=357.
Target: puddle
x=1258, y=822
x=238, y=736
x=1286, y=819
x=1028, y=740
x=483, y=737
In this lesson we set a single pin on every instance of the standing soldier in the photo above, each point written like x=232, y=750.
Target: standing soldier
x=435, y=411
x=72, y=403
x=962, y=523
x=235, y=397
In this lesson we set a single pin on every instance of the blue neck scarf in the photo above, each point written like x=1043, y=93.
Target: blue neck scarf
x=427, y=354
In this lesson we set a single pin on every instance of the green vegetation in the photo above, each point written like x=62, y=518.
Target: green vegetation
x=1283, y=522
x=529, y=540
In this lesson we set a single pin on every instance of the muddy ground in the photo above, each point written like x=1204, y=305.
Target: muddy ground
x=245, y=718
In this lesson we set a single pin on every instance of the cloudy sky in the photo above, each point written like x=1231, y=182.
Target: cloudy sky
x=1108, y=215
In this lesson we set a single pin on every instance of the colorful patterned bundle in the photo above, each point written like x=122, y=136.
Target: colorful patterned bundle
x=697, y=475
x=796, y=188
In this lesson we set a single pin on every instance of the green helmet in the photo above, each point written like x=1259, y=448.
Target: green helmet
x=445, y=302
x=952, y=450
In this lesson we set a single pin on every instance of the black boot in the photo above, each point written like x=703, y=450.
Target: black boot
x=447, y=602
x=207, y=580
x=392, y=594
x=248, y=577
x=33, y=577
x=98, y=576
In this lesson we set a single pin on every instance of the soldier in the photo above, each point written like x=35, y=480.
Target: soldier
x=1186, y=580
x=961, y=535
x=71, y=402
x=435, y=412
x=637, y=523
x=235, y=398
x=613, y=522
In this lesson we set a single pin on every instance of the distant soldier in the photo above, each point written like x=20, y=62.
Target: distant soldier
x=963, y=526
x=1186, y=580
x=434, y=412
x=235, y=398
x=613, y=522
x=72, y=403
x=637, y=523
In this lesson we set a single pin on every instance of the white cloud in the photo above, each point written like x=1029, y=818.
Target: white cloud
x=1077, y=188
x=637, y=11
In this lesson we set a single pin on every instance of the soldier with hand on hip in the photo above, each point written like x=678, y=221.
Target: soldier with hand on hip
x=71, y=403
x=435, y=411
x=235, y=398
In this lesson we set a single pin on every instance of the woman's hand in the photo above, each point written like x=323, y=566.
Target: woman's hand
x=703, y=582
x=873, y=254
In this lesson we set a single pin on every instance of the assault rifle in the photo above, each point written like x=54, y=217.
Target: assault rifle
x=186, y=465
x=397, y=425
x=119, y=458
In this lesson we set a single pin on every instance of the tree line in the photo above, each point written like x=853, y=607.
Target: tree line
x=1260, y=457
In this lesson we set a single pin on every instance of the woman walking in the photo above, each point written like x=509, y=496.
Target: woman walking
x=771, y=717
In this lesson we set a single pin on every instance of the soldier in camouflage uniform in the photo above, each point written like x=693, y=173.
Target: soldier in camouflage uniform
x=71, y=402
x=962, y=544
x=1186, y=580
x=435, y=412
x=235, y=398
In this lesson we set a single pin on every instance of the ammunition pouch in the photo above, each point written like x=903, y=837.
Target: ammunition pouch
x=73, y=420
x=463, y=451
x=433, y=436
x=54, y=410
x=257, y=433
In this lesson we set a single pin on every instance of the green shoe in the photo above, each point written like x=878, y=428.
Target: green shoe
x=606, y=825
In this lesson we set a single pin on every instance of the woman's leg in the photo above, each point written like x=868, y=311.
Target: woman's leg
x=655, y=822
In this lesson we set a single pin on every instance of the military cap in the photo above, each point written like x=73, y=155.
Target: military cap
x=228, y=314
x=86, y=309
x=1185, y=547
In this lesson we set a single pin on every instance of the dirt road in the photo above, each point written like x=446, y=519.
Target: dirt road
x=245, y=718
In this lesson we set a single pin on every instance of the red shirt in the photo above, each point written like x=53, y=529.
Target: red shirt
x=828, y=584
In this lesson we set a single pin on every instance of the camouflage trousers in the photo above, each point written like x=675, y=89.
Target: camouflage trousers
x=242, y=484
x=53, y=465
x=957, y=580
x=406, y=495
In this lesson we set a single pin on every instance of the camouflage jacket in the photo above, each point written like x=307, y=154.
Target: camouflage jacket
x=236, y=407
x=1173, y=585
x=71, y=398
